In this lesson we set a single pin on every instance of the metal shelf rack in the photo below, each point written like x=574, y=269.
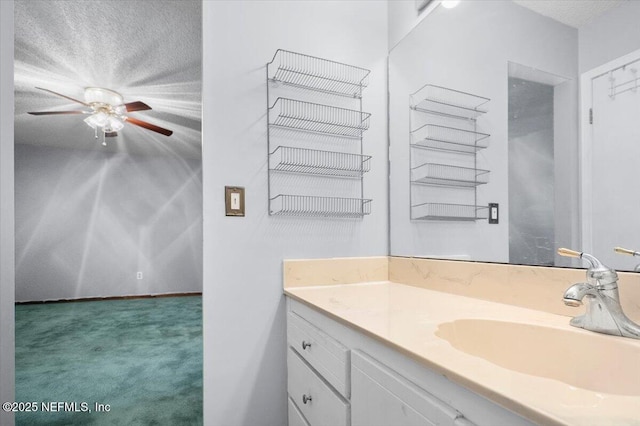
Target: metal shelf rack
x=448, y=102
x=446, y=175
x=318, y=118
x=344, y=126
x=318, y=162
x=443, y=104
x=313, y=73
x=433, y=136
x=314, y=206
x=448, y=212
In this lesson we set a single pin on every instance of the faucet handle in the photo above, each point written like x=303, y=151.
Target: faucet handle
x=568, y=252
x=595, y=266
x=629, y=252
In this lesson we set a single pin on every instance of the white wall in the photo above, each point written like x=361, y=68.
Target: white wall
x=468, y=48
x=610, y=36
x=88, y=220
x=243, y=305
x=7, y=277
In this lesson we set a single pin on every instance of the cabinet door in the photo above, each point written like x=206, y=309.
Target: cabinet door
x=381, y=397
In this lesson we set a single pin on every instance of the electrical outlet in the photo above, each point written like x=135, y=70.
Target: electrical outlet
x=139, y=275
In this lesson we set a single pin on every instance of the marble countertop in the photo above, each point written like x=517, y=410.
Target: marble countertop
x=410, y=319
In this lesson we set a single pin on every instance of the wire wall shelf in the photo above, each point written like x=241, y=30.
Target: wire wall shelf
x=307, y=205
x=447, y=175
x=323, y=75
x=432, y=136
x=448, y=102
x=318, y=118
x=317, y=162
x=308, y=156
x=448, y=212
x=432, y=203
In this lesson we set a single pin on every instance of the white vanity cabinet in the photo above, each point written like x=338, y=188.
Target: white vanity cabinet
x=296, y=418
x=318, y=375
x=338, y=375
x=318, y=402
x=381, y=397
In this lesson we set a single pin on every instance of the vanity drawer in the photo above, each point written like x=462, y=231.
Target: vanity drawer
x=317, y=401
x=328, y=356
x=295, y=416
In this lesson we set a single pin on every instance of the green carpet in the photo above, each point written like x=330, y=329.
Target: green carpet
x=143, y=357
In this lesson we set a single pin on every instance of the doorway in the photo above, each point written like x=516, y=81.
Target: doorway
x=610, y=149
x=534, y=97
x=108, y=221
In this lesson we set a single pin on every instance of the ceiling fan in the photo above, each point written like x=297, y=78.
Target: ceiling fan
x=106, y=112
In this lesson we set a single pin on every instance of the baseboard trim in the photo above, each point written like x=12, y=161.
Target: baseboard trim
x=95, y=299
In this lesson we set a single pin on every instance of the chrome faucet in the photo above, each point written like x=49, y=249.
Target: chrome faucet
x=604, y=313
x=630, y=253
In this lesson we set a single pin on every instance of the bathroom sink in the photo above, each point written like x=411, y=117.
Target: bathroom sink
x=581, y=359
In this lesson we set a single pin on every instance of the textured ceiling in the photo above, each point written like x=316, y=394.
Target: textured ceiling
x=146, y=50
x=574, y=13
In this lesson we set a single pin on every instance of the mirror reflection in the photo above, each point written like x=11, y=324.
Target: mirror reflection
x=512, y=133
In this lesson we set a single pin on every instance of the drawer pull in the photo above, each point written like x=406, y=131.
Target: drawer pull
x=306, y=399
x=305, y=345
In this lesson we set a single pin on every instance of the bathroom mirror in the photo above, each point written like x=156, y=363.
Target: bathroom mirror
x=523, y=107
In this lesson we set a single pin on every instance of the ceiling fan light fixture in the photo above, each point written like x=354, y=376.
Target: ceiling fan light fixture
x=450, y=4
x=114, y=124
x=98, y=95
x=107, y=111
x=120, y=109
x=97, y=120
x=108, y=107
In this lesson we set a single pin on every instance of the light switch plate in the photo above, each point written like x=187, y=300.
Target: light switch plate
x=234, y=200
x=494, y=213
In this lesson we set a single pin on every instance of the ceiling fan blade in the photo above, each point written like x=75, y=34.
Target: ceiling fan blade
x=136, y=106
x=149, y=126
x=64, y=96
x=56, y=112
x=111, y=134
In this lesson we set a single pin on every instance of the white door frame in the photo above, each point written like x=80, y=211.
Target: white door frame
x=586, y=143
